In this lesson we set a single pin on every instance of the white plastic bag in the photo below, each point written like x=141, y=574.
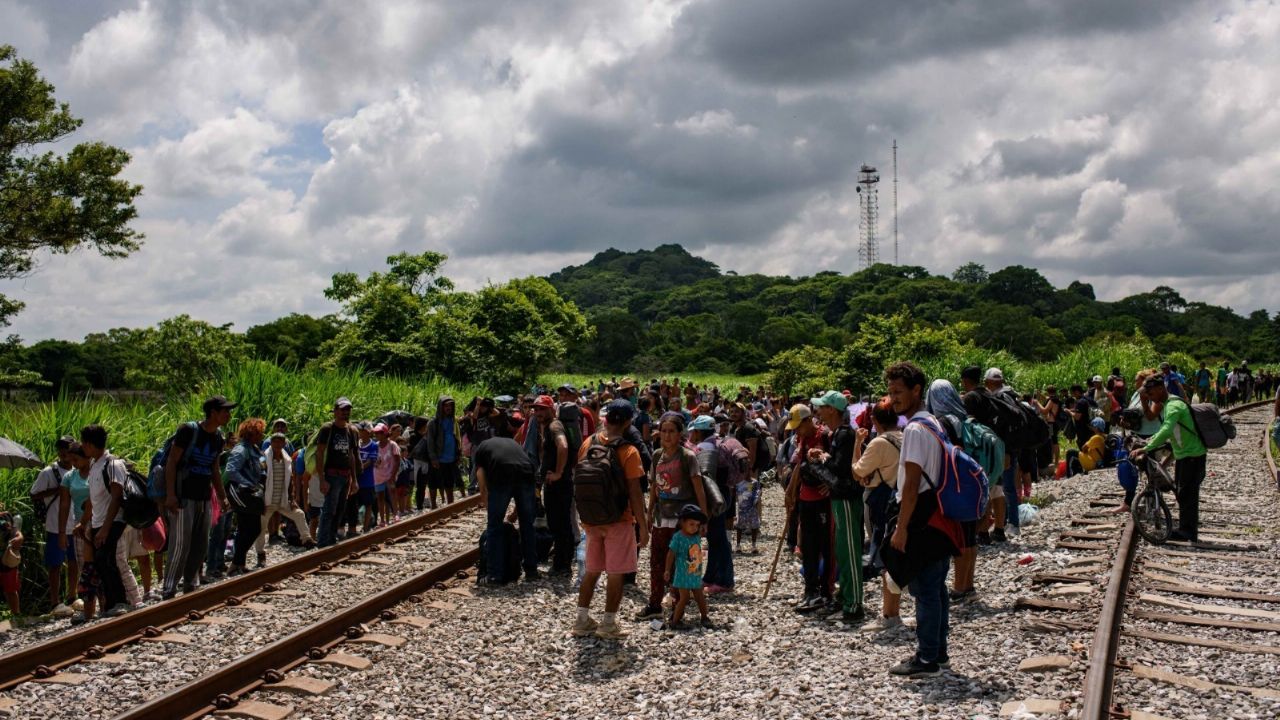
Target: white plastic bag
x=1028, y=514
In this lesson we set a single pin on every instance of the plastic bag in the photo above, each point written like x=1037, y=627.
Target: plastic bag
x=153, y=536
x=1028, y=514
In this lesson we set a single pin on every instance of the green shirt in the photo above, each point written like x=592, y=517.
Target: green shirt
x=1179, y=427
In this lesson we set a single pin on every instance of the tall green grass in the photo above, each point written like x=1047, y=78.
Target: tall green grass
x=726, y=383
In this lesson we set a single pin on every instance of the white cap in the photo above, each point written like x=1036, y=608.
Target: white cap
x=994, y=374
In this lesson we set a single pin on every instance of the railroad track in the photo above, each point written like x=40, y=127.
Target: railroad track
x=330, y=578
x=1161, y=600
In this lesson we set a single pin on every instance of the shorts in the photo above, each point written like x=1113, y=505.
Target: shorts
x=997, y=490
x=970, y=532
x=1027, y=460
x=55, y=556
x=367, y=497
x=10, y=581
x=313, y=512
x=445, y=476
x=611, y=548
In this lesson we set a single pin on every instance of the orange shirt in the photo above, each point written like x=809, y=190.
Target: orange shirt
x=632, y=469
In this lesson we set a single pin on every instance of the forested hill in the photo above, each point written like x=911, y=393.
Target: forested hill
x=667, y=309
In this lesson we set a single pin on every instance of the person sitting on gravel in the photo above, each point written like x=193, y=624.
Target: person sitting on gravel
x=1090, y=455
x=684, y=566
x=611, y=546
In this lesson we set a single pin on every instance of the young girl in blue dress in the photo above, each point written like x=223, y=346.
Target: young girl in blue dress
x=685, y=566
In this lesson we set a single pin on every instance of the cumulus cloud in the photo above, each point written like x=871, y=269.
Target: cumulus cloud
x=1128, y=144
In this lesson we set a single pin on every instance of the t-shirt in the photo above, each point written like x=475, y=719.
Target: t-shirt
x=1222, y=377
x=686, y=568
x=200, y=453
x=368, y=454
x=504, y=461
x=75, y=484
x=1202, y=377
x=50, y=478
x=632, y=468
x=99, y=490
x=920, y=446
x=879, y=461
x=387, y=465
x=747, y=432
x=803, y=446
x=339, y=444
x=549, y=437
x=449, y=448
x=672, y=478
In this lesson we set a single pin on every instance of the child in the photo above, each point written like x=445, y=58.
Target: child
x=405, y=480
x=748, y=521
x=684, y=566
x=89, y=586
x=11, y=548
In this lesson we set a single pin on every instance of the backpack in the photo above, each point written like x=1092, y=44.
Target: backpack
x=984, y=446
x=599, y=489
x=1214, y=428
x=770, y=449
x=510, y=538
x=764, y=458
x=1062, y=419
x=732, y=462
x=962, y=489
x=570, y=416
x=136, y=508
x=155, y=475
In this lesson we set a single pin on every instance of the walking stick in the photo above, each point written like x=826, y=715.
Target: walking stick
x=786, y=526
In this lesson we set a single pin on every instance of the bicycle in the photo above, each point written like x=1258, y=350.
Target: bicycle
x=1151, y=513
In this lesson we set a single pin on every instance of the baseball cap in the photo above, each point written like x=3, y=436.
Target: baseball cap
x=798, y=414
x=972, y=372
x=692, y=511
x=279, y=421
x=340, y=403
x=703, y=422
x=567, y=388
x=994, y=374
x=545, y=401
x=618, y=411
x=1099, y=424
x=218, y=402
x=381, y=427
x=279, y=436
x=831, y=398
x=504, y=400
x=1097, y=378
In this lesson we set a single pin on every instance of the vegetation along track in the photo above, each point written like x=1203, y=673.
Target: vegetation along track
x=120, y=663
x=1188, y=630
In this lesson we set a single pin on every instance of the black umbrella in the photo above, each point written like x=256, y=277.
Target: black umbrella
x=13, y=455
x=397, y=417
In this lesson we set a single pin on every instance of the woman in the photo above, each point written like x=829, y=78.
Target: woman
x=244, y=468
x=846, y=501
x=875, y=466
x=944, y=403
x=1049, y=410
x=675, y=480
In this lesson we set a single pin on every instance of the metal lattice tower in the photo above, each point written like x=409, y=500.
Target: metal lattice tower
x=869, y=216
x=895, y=202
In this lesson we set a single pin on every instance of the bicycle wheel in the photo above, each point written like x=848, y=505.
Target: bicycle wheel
x=1152, y=516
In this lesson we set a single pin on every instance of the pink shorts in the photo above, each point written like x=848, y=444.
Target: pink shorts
x=611, y=548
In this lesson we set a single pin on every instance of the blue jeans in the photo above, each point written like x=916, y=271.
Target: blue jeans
x=719, y=553
x=933, y=611
x=217, y=543
x=500, y=497
x=328, y=528
x=1009, y=481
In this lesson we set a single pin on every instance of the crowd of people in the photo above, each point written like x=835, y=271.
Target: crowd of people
x=601, y=473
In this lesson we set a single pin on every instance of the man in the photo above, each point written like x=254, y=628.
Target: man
x=505, y=473
x=421, y=461
x=748, y=434
x=1174, y=381
x=479, y=423
x=1222, y=384
x=1081, y=414
x=611, y=548
x=192, y=474
x=846, y=506
x=50, y=499
x=1118, y=388
x=550, y=454
x=106, y=486
x=443, y=450
x=337, y=463
x=924, y=547
x=279, y=494
x=1203, y=380
x=279, y=425
x=1100, y=399
x=1189, y=455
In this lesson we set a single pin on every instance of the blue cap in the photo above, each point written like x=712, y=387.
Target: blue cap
x=703, y=422
x=618, y=411
x=1099, y=424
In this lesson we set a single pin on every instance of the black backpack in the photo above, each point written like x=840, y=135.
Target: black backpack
x=510, y=538
x=570, y=416
x=599, y=489
x=136, y=508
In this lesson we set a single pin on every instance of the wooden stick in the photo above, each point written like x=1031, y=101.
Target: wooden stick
x=782, y=536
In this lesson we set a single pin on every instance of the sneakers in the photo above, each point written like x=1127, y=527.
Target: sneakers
x=62, y=610
x=118, y=610
x=236, y=570
x=984, y=538
x=532, y=575
x=882, y=624
x=912, y=668
x=856, y=615
x=997, y=535
x=169, y=594
x=706, y=624
x=79, y=619
x=610, y=631
x=962, y=595
x=309, y=544
x=809, y=604
x=584, y=627
x=650, y=612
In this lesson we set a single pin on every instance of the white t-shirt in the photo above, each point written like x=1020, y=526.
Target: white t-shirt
x=921, y=447
x=99, y=493
x=49, y=479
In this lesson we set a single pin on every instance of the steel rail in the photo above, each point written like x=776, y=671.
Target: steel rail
x=1100, y=676
x=46, y=658
x=223, y=688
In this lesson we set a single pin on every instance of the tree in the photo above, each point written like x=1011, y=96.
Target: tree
x=1018, y=285
x=970, y=273
x=804, y=370
x=294, y=340
x=180, y=354
x=50, y=202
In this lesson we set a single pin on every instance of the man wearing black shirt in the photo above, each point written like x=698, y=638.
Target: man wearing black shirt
x=192, y=474
x=338, y=459
x=505, y=472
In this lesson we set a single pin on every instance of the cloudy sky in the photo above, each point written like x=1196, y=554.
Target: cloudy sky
x=1123, y=143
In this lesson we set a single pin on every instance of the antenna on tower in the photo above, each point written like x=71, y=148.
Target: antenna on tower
x=895, y=201
x=869, y=204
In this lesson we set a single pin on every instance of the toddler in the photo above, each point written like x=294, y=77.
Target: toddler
x=684, y=566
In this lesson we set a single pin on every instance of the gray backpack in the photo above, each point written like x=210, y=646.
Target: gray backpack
x=1214, y=428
